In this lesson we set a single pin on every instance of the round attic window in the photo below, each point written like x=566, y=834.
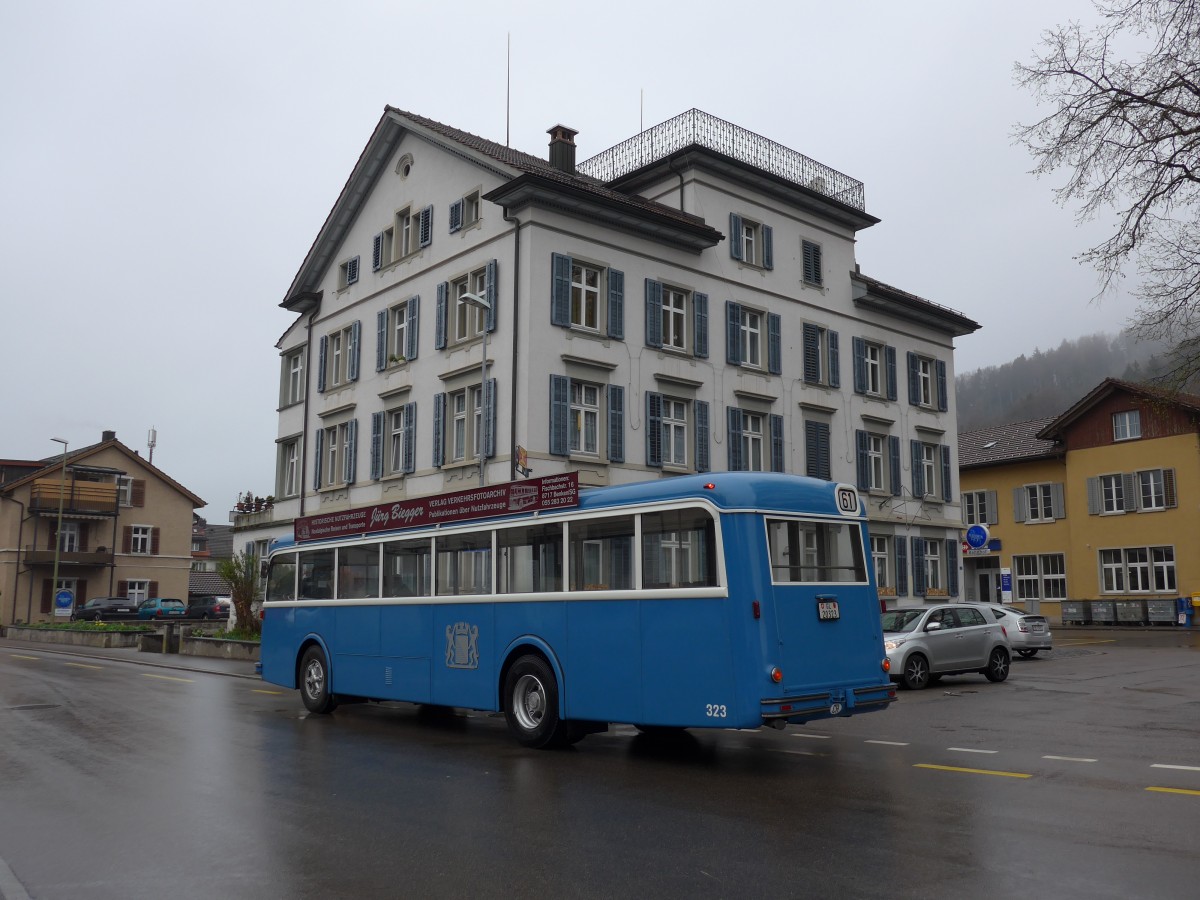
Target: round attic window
x=404, y=165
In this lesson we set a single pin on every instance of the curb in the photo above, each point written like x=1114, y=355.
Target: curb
x=40, y=648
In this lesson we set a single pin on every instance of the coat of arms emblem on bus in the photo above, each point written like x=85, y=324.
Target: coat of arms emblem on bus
x=462, y=646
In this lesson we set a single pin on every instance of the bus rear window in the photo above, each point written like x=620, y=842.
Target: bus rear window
x=815, y=552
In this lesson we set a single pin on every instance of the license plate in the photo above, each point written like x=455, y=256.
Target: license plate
x=1038, y=627
x=828, y=609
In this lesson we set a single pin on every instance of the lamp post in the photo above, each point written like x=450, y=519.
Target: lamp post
x=62, y=490
x=480, y=303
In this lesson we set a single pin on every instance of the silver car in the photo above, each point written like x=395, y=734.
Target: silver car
x=1028, y=633
x=926, y=642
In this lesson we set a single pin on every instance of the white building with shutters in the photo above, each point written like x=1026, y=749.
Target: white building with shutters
x=686, y=301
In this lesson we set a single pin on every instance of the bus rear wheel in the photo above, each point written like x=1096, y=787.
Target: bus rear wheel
x=314, y=682
x=531, y=710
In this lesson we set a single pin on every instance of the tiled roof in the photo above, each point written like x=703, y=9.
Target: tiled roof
x=207, y=584
x=1000, y=444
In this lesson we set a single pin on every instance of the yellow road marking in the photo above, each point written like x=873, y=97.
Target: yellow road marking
x=167, y=677
x=971, y=771
x=19, y=656
x=1162, y=790
x=83, y=666
x=261, y=691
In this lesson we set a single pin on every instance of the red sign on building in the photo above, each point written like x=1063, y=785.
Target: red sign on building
x=551, y=492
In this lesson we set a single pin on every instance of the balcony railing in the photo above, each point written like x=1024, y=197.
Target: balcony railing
x=42, y=557
x=696, y=127
x=87, y=497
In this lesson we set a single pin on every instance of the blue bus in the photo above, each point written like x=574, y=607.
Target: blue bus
x=726, y=600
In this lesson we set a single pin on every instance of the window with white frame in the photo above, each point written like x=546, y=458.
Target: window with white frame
x=125, y=490
x=68, y=537
x=820, y=355
x=1153, y=490
x=137, y=590
x=289, y=468
x=585, y=296
x=1054, y=576
x=879, y=556
x=674, y=432
x=1162, y=559
x=933, y=566
x=407, y=230
x=1025, y=568
x=463, y=424
x=469, y=320
x=337, y=357
x=140, y=537
x=348, y=272
x=1040, y=498
x=876, y=478
x=811, y=253
x=1139, y=570
x=925, y=381
x=583, y=424
x=674, y=319
x=1127, y=425
x=291, y=389
x=873, y=358
x=383, y=251
x=338, y=458
x=398, y=338
x=929, y=467
x=752, y=441
x=1112, y=493
x=400, y=432
x=975, y=508
x=751, y=338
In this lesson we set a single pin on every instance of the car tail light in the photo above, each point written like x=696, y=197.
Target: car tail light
x=1023, y=626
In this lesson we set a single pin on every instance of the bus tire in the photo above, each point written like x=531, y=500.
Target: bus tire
x=531, y=704
x=314, y=682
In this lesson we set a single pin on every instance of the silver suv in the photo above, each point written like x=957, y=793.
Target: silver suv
x=926, y=642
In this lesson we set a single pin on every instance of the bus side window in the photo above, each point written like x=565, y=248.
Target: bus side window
x=602, y=554
x=406, y=568
x=316, y=575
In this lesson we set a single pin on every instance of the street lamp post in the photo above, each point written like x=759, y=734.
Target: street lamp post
x=480, y=303
x=62, y=490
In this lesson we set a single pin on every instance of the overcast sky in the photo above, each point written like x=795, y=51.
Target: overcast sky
x=165, y=166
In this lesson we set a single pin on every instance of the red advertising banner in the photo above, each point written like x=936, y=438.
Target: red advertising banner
x=551, y=492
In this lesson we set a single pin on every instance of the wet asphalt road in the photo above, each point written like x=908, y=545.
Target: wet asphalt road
x=1079, y=777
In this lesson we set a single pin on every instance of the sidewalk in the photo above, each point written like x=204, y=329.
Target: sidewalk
x=235, y=668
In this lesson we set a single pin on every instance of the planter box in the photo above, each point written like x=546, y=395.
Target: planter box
x=219, y=648
x=74, y=638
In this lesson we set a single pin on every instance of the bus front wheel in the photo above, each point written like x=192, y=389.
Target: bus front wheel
x=531, y=710
x=314, y=682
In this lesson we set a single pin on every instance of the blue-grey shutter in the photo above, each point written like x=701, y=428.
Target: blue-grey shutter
x=768, y=249
x=702, y=437
x=318, y=458
x=812, y=353
x=774, y=343
x=862, y=467
x=321, y=363
x=946, y=485
x=616, y=423
x=835, y=360
x=1129, y=492
x=654, y=292
x=901, y=546
x=993, y=511
x=654, y=404
x=381, y=331
x=894, y=462
x=1170, y=498
x=1021, y=501
x=918, y=472
x=377, y=252
x=413, y=312
x=816, y=450
x=352, y=361
x=489, y=418
x=560, y=412
x=456, y=213
x=858, y=349
x=490, y=292
x=409, y=462
x=943, y=399
x=1093, y=496
x=439, y=435
x=889, y=354
x=560, y=290
x=777, y=460
x=918, y=566
x=733, y=333
x=426, y=228
x=951, y=567
x=616, y=304
x=735, y=236
x=439, y=335
x=734, y=437
x=350, y=463
x=376, y=446
x=700, y=316
x=351, y=270
x=914, y=379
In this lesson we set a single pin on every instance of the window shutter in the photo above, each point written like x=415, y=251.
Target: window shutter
x=560, y=412
x=816, y=450
x=700, y=314
x=381, y=329
x=1093, y=496
x=735, y=236
x=426, y=226
x=947, y=495
x=823, y=450
x=835, y=360
x=412, y=311
x=901, y=546
x=352, y=271
x=914, y=377
x=993, y=510
x=733, y=333
x=654, y=403
x=1020, y=504
x=616, y=304
x=768, y=249
x=654, y=292
x=409, y=462
x=774, y=343
x=352, y=362
x=777, y=460
x=350, y=463
x=889, y=354
x=439, y=336
x=137, y=492
x=858, y=350
x=318, y=458
x=812, y=354
x=439, y=415
x=918, y=472
x=48, y=594
x=951, y=568
x=894, y=463
x=321, y=363
x=154, y=537
x=616, y=423
x=489, y=418
x=734, y=437
x=456, y=212
x=377, y=252
x=702, y=436
x=1130, y=488
x=376, y=446
x=1169, y=498
x=1058, y=507
x=127, y=539
x=489, y=292
x=560, y=290
x=122, y=589
x=860, y=452
x=943, y=399
x=152, y=589
x=918, y=567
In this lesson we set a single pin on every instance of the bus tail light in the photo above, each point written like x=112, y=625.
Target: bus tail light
x=886, y=664
x=776, y=675
x=757, y=608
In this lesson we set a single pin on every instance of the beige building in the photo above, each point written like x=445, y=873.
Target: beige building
x=110, y=522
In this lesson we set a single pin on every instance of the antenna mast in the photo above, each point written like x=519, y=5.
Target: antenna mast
x=508, y=92
x=151, y=440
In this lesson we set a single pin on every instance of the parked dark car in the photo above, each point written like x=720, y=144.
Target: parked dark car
x=209, y=608
x=100, y=608
x=161, y=608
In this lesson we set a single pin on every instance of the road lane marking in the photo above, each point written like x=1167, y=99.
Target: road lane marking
x=970, y=771
x=167, y=678
x=1179, y=768
x=83, y=666
x=889, y=743
x=815, y=737
x=969, y=750
x=261, y=691
x=798, y=752
x=10, y=887
x=1163, y=790
x=1070, y=758
x=1086, y=643
x=19, y=656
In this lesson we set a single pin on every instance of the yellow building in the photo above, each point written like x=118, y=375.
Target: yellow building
x=1098, y=504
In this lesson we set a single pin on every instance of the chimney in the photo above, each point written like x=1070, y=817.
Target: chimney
x=562, y=148
x=108, y=436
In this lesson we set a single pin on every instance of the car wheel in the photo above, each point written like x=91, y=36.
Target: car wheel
x=1027, y=654
x=998, y=664
x=531, y=710
x=916, y=672
x=97, y=617
x=314, y=682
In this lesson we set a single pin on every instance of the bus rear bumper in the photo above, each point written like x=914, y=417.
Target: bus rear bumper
x=828, y=704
